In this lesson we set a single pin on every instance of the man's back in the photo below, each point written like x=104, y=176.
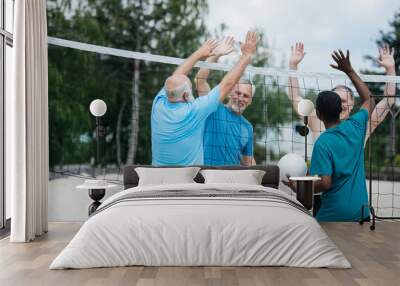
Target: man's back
x=339, y=153
x=227, y=137
x=177, y=129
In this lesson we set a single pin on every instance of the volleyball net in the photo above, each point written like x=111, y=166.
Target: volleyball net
x=128, y=82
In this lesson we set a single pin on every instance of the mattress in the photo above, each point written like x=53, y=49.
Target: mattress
x=201, y=225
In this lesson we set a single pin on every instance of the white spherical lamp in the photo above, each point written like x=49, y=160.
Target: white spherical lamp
x=293, y=165
x=98, y=107
x=305, y=107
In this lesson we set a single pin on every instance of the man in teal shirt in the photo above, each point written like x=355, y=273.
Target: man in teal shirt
x=178, y=120
x=338, y=154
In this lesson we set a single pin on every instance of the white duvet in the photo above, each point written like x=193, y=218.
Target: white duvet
x=200, y=231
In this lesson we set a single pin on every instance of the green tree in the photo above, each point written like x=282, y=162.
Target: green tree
x=169, y=27
x=165, y=27
x=70, y=91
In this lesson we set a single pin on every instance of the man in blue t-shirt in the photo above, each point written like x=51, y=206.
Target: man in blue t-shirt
x=228, y=135
x=338, y=154
x=178, y=120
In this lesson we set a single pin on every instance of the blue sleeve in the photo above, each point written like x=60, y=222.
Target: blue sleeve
x=360, y=119
x=321, y=161
x=248, y=149
x=160, y=94
x=204, y=105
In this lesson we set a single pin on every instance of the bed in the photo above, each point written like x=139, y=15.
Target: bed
x=201, y=224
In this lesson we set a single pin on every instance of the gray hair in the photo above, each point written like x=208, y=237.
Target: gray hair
x=178, y=92
x=346, y=88
x=244, y=80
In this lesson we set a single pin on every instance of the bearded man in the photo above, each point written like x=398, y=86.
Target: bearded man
x=228, y=135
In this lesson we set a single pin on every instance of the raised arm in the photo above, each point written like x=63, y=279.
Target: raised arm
x=296, y=56
x=386, y=60
x=201, y=78
x=231, y=78
x=206, y=50
x=224, y=47
x=343, y=64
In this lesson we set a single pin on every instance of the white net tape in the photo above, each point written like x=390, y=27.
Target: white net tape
x=274, y=72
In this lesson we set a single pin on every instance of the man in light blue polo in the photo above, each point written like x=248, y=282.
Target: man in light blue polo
x=338, y=154
x=178, y=120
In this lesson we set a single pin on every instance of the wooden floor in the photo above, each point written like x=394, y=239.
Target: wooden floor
x=375, y=256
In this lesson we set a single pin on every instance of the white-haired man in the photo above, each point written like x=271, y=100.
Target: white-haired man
x=178, y=120
x=382, y=108
x=228, y=135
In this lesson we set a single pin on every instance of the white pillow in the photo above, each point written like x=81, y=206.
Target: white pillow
x=166, y=176
x=248, y=177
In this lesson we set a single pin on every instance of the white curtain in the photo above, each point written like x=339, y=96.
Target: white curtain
x=27, y=123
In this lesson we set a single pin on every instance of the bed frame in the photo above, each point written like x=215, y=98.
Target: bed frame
x=270, y=179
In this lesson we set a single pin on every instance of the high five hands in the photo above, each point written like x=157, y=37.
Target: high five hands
x=224, y=47
x=207, y=49
x=249, y=47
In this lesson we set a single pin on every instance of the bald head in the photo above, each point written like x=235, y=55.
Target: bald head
x=179, y=88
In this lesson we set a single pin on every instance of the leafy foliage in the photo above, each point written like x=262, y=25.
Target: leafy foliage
x=170, y=27
x=166, y=27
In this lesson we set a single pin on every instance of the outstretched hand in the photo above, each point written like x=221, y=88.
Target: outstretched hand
x=297, y=55
x=207, y=49
x=225, y=46
x=249, y=47
x=386, y=57
x=342, y=62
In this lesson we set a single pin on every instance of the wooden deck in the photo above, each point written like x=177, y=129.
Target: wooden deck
x=375, y=256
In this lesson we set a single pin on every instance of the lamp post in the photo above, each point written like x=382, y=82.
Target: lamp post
x=98, y=108
x=305, y=107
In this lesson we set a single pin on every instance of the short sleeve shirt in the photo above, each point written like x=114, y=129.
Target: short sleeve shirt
x=339, y=153
x=177, y=129
x=227, y=137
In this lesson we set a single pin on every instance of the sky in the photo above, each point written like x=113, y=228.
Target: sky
x=322, y=25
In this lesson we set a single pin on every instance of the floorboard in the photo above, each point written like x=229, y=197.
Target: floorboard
x=375, y=257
